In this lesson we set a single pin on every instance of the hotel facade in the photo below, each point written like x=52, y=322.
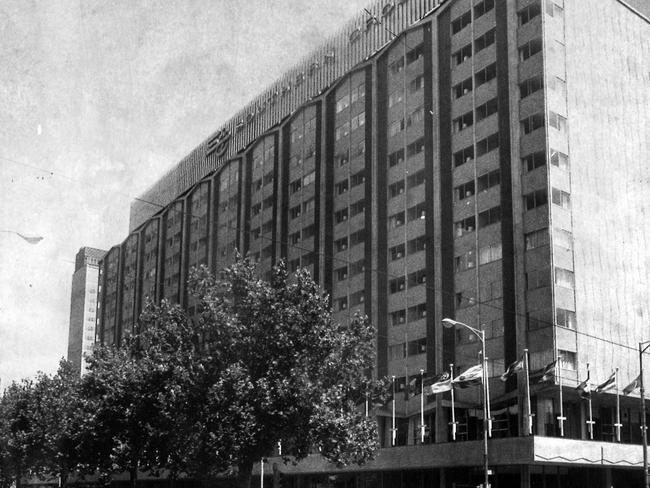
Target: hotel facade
x=485, y=161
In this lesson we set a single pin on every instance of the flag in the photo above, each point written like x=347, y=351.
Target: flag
x=471, y=377
x=518, y=365
x=412, y=388
x=608, y=384
x=584, y=389
x=547, y=374
x=632, y=386
x=440, y=387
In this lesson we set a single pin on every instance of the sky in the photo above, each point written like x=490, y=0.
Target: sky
x=97, y=100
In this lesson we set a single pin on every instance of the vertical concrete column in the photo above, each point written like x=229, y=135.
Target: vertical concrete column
x=607, y=478
x=524, y=476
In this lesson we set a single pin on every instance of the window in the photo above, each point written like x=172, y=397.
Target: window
x=397, y=66
x=462, y=55
x=567, y=359
x=257, y=184
x=268, y=202
x=564, y=278
x=397, y=351
x=342, y=103
x=565, y=318
x=531, y=85
x=489, y=180
x=357, y=298
x=256, y=209
x=464, y=156
x=489, y=217
x=562, y=238
x=396, y=127
x=559, y=159
x=529, y=49
x=358, y=121
x=539, y=278
x=396, y=158
x=357, y=237
x=295, y=185
x=308, y=205
x=416, y=212
x=464, y=299
x=465, y=226
x=488, y=144
x=268, y=178
x=416, y=347
x=309, y=178
x=534, y=160
x=414, y=54
x=398, y=317
x=459, y=23
x=536, y=238
x=486, y=74
x=395, y=97
x=342, y=187
x=553, y=9
x=416, y=245
x=341, y=244
x=343, y=158
x=343, y=131
x=532, y=122
x=295, y=212
x=396, y=220
x=463, y=88
x=357, y=207
x=464, y=121
x=294, y=238
x=415, y=148
x=342, y=303
x=416, y=179
x=536, y=199
x=482, y=8
x=465, y=190
x=560, y=198
x=417, y=312
x=485, y=110
x=485, y=40
x=416, y=84
x=357, y=267
x=557, y=121
x=342, y=273
x=465, y=261
x=528, y=13
x=415, y=117
x=396, y=189
x=341, y=215
x=397, y=284
x=357, y=178
x=361, y=148
x=396, y=252
x=488, y=254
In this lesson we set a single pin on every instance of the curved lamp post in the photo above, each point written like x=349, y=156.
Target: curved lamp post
x=450, y=323
x=643, y=347
x=30, y=239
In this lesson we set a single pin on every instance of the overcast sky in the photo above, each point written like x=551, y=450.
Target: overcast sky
x=97, y=100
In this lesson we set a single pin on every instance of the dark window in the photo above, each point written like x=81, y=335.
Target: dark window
x=526, y=14
x=357, y=267
x=464, y=121
x=489, y=217
x=357, y=207
x=488, y=144
x=486, y=74
x=463, y=88
x=557, y=121
x=341, y=244
x=463, y=156
x=357, y=178
x=357, y=298
x=485, y=40
x=565, y=318
x=416, y=179
x=309, y=231
x=559, y=159
x=342, y=273
x=465, y=226
x=396, y=158
x=416, y=84
x=295, y=185
x=398, y=317
x=417, y=278
x=482, y=8
x=357, y=237
x=459, y=23
x=415, y=147
x=342, y=187
x=465, y=190
x=397, y=284
x=416, y=212
x=396, y=252
x=416, y=347
x=489, y=180
x=414, y=54
x=417, y=244
x=534, y=160
x=397, y=66
x=396, y=189
x=560, y=198
x=532, y=122
x=531, y=85
x=293, y=238
x=530, y=48
x=536, y=198
x=417, y=312
x=341, y=215
x=463, y=54
x=536, y=238
x=485, y=110
x=396, y=220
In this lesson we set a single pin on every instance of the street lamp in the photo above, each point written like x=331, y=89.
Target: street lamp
x=643, y=347
x=450, y=323
x=29, y=239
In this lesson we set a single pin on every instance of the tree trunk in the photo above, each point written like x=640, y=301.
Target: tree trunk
x=133, y=477
x=244, y=474
x=63, y=479
x=18, y=480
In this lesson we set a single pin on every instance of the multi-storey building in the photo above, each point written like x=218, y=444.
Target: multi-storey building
x=479, y=160
x=83, y=306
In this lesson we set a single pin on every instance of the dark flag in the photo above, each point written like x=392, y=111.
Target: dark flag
x=518, y=365
x=636, y=383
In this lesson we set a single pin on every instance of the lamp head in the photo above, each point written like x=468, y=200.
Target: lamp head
x=449, y=323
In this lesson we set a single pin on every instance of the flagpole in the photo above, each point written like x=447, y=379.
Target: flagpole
x=561, y=418
x=366, y=404
x=618, y=424
x=453, y=410
x=487, y=397
x=529, y=413
x=394, y=429
x=422, y=406
x=590, y=422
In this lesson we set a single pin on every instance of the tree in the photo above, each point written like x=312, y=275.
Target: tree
x=268, y=365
